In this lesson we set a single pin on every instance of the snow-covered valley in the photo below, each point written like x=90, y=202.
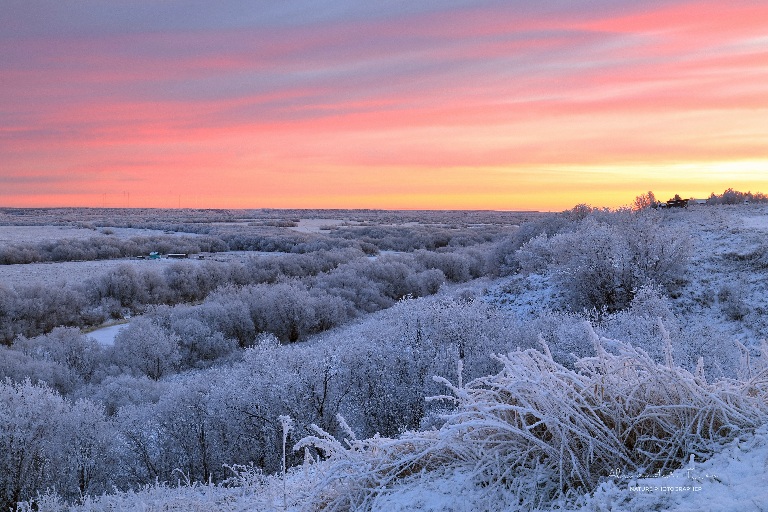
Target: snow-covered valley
x=655, y=401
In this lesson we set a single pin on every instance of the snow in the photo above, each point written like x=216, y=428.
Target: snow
x=36, y=234
x=105, y=336
x=72, y=272
x=734, y=480
x=315, y=225
x=755, y=222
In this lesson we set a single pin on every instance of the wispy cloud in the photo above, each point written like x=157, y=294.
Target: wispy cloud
x=462, y=101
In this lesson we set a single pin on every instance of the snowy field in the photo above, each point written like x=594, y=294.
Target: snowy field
x=25, y=234
x=62, y=273
x=316, y=225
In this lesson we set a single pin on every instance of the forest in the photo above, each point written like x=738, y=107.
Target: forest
x=351, y=355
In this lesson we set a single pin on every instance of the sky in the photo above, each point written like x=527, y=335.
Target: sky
x=455, y=104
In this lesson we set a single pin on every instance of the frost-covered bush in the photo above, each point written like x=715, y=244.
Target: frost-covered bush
x=116, y=392
x=48, y=441
x=34, y=309
x=535, y=255
x=146, y=348
x=732, y=299
x=607, y=257
x=199, y=344
x=503, y=258
x=567, y=335
x=650, y=320
x=67, y=346
x=644, y=322
x=593, y=267
x=537, y=432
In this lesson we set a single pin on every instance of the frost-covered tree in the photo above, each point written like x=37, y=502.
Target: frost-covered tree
x=199, y=344
x=48, y=441
x=145, y=348
x=644, y=201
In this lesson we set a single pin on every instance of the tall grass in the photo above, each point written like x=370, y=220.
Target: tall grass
x=538, y=432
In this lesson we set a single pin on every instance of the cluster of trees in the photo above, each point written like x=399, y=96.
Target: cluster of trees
x=410, y=238
x=105, y=248
x=30, y=310
x=731, y=196
x=141, y=429
x=326, y=288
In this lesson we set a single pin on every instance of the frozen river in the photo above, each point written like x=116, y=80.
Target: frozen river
x=106, y=335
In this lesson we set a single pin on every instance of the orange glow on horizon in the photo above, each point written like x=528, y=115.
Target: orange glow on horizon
x=543, y=189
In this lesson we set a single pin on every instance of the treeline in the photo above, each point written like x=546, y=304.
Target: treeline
x=731, y=196
x=105, y=248
x=371, y=240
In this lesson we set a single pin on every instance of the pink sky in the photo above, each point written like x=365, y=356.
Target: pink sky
x=455, y=104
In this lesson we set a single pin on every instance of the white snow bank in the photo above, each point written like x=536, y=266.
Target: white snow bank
x=735, y=479
x=315, y=225
x=105, y=336
x=756, y=222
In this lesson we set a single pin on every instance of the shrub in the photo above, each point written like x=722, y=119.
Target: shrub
x=145, y=348
x=608, y=256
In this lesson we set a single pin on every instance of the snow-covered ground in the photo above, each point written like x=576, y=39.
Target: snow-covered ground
x=724, y=274
x=316, y=225
x=67, y=272
x=734, y=480
x=36, y=234
x=73, y=272
x=105, y=336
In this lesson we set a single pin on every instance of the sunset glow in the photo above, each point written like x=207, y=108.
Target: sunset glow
x=449, y=105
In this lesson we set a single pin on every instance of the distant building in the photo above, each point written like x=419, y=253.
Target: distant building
x=677, y=202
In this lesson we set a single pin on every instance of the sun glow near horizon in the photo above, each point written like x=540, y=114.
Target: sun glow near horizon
x=546, y=188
